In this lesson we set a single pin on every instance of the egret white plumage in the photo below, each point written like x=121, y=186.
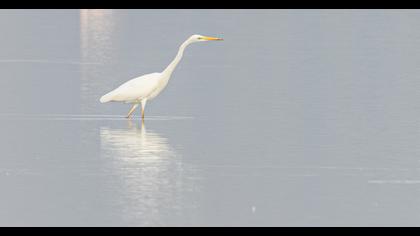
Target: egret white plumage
x=141, y=89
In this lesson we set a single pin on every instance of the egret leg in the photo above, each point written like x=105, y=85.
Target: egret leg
x=132, y=110
x=143, y=106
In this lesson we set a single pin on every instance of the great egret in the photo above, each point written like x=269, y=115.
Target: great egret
x=141, y=89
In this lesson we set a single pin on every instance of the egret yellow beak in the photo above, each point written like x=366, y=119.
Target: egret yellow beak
x=211, y=38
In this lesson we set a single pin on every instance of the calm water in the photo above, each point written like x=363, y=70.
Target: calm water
x=298, y=118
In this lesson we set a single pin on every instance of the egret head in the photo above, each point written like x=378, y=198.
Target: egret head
x=199, y=38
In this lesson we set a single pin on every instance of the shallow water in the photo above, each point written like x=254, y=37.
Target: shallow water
x=298, y=118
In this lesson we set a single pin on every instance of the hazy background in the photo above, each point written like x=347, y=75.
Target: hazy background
x=297, y=118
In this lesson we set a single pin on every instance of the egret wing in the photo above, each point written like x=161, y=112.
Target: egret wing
x=135, y=89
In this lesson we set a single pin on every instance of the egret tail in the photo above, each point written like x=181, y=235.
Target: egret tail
x=107, y=97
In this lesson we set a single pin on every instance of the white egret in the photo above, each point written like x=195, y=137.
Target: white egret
x=141, y=89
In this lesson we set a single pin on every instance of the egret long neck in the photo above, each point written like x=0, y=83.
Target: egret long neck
x=171, y=67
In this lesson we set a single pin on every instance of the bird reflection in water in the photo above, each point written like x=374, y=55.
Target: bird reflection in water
x=150, y=179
